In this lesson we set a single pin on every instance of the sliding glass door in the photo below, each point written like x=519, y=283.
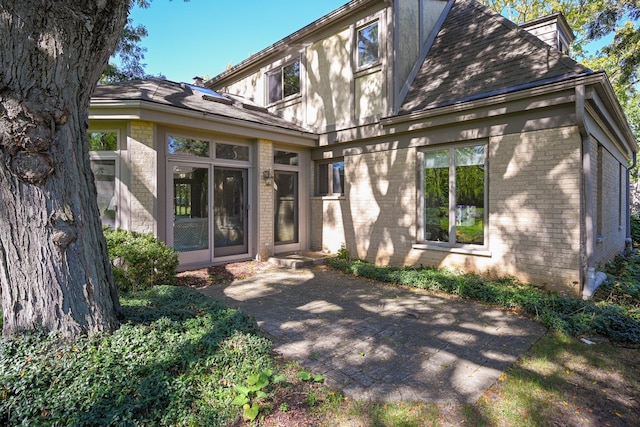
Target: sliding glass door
x=230, y=211
x=191, y=212
x=210, y=211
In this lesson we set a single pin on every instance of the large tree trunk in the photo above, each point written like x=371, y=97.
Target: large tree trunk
x=54, y=267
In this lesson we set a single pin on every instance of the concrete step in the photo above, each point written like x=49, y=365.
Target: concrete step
x=298, y=260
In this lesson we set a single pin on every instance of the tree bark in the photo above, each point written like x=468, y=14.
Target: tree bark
x=54, y=266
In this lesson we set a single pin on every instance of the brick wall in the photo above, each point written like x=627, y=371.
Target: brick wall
x=534, y=203
x=609, y=214
x=143, y=188
x=265, y=201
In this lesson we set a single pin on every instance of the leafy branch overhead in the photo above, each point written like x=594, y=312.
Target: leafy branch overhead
x=612, y=24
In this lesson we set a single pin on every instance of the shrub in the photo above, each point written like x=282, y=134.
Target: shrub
x=176, y=361
x=635, y=228
x=140, y=261
x=567, y=314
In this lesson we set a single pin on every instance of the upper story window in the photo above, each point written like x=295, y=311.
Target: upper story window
x=284, y=82
x=368, y=45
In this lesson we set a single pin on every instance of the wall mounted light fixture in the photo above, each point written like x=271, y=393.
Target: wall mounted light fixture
x=267, y=177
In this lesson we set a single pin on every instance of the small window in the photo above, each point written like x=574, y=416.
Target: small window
x=232, y=152
x=103, y=140
x=194, y=147
x=285, y=158
x=284, y=82
x=331, y=179
x=104, y=172
x=368, y=45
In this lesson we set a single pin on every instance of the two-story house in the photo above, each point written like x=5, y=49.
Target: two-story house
x=413, y=132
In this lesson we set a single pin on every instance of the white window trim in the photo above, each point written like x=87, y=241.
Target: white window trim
x=115, y=156
x=453, y=247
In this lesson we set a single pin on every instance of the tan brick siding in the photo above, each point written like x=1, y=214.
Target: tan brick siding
x=534, y=203
x=265, y=201
x=143, y=188
x=609, y=219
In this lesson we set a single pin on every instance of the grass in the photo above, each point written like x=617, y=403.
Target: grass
x=561, y=380
x=179, y=357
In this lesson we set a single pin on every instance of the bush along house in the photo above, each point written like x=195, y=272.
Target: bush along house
x=413, y=132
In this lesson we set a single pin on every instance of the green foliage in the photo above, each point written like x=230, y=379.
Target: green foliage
x=343, y=253
x=174, y=361
x=255, y=390
x=635, y=228
x=567, y=314
x=308, y=376
x=139, y=261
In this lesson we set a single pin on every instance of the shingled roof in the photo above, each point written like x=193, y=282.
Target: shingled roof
x=191, y=97
x=478, y=53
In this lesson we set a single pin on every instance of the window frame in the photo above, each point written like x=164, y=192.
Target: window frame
x=213, y=143
x=330, y=175
x=358, y=30
x=280, y=69
x=452, y=244
x=109, y=155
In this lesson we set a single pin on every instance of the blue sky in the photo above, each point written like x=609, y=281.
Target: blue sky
x=201, y=37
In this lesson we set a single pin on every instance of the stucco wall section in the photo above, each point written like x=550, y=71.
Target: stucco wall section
x=534, y=203
x=329, y=79
x=265, y=201
x=143, y=188
x=251, y=87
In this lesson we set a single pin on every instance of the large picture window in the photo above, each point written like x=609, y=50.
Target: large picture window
x=284, y=82
x=454, y=195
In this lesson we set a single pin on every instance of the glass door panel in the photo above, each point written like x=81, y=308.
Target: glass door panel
x=230, y=211
x=191, y=210
x=286, y=207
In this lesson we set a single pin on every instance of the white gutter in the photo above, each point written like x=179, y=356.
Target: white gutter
x=591, y=279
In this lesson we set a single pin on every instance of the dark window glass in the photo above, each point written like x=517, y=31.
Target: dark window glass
x=285, y=158
x=284, y=82
x=232, y=152
x=195, y=147
x=368, y=45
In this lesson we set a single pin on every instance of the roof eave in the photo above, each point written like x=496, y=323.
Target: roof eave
x=284, y=43
x=106, y=109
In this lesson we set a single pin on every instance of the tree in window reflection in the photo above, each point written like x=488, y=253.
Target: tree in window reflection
x=188, y=146
x=103, y=141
